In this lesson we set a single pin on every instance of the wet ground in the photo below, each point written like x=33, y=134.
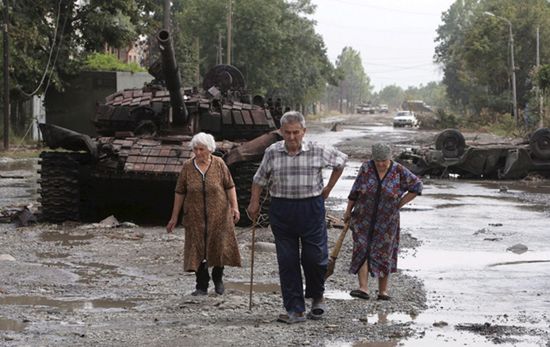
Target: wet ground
x=474, y=271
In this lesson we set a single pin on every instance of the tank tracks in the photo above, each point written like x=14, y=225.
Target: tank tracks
x=61, y=194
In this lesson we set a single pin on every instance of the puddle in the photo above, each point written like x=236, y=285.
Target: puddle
x=18, y=165
x=69, y=305
x=337, y=295
x=88, y=272
x=389, y=318
x=519, y=262
x=391, y=343
x=66, y=239
x=11, y=325
x=52, y=255
x=272, y=288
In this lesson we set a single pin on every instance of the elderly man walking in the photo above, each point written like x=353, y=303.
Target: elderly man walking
x=293, y=168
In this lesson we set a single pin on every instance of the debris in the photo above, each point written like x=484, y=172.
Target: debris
x=482, y=231
x=492, y=239
x=6, y=257
x=502, y=189
x=334, y=222
x=128, y=225
x=440, y=324
x=495, y=224
x=518, y=248
x=110, y=222
x=24, y=218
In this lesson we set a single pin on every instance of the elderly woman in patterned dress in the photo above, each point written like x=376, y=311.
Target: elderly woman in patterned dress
x=381, y=188
x=206, y=191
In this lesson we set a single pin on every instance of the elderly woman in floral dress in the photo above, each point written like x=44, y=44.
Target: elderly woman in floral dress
x=381, y=188
x=206, y=191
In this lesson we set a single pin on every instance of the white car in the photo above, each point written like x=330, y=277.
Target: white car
x=404, y=119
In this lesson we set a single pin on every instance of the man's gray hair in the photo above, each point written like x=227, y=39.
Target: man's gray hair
x=203, y=139
x=293, y=117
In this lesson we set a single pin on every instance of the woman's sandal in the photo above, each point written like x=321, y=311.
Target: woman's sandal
x=384, y=297
x=357, y=293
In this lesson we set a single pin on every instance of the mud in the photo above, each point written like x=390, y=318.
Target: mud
x=74, y=285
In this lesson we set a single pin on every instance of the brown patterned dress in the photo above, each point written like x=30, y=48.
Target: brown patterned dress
x=207, y=216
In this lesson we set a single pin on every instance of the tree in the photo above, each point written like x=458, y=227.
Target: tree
x=264, y=45
x=473, y=48
x=353, y=85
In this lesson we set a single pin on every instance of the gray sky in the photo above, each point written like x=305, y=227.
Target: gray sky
x=395, y=37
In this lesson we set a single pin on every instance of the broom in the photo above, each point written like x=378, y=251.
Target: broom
x=336, y=251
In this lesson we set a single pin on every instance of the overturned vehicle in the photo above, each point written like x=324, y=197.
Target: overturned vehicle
x=451, y=155
x=131, y=168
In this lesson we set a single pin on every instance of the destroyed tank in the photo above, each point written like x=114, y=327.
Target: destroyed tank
x=131, y=168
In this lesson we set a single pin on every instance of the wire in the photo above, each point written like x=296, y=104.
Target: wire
x=50, y=55
x=57, y=53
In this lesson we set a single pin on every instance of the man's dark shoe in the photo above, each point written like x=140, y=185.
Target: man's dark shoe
x=199, y=292
x=219, y=288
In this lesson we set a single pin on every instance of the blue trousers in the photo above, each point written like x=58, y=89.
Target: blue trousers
x=300, y=232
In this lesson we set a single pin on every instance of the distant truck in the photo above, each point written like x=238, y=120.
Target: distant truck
x=365, y=108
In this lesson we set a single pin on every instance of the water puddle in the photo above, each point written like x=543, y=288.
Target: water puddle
x=52, y=255
x=88, y=272
x=11, y=325
x=66, y=239
x=337, y=295
x=391, y=343
x=388, y=318
x=272, y=288
x=69, y=305
x=519, y=262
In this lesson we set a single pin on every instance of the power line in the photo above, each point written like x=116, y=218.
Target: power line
x=362, y=4
x=50, y=55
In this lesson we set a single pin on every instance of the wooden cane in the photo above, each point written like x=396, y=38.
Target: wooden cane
x=252, y=264
x=336, y=251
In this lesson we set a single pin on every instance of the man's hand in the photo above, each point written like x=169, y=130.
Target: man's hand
x=326, y=192
x=253, y=210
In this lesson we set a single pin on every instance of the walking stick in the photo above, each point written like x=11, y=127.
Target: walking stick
x=336, y=251
x=252, y=263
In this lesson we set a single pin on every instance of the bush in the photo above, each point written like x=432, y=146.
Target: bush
x=108, y=62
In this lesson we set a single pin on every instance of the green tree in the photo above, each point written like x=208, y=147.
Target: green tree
x=391, y=95
x=473, y=48
x=264, y=45
x=353, y=85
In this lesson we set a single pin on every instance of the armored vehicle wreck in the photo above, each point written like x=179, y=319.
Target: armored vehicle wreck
x=130, y=170
x=451, y=155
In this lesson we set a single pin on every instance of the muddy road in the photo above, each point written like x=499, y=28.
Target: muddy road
x=83, y=285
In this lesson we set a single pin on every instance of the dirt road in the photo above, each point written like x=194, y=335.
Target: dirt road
x=82, y=285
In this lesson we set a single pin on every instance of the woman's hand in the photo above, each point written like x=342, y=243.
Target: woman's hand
x=171, y=225
x=347, y=216
x=236, y=215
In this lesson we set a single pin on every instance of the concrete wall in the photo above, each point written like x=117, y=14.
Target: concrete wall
x=75, y=107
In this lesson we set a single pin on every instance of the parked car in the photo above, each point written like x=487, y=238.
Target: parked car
x=452, y=155
x=365, y=108
x=405, y=118
x=383, y=108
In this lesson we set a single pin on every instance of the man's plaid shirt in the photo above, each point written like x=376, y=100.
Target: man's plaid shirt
x=299, y=176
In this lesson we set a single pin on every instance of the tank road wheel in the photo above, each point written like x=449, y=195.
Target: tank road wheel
x=60, y=194
x=242, y=175
x=539, y=143
x=451, y=143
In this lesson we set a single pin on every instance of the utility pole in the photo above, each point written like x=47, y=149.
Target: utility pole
x=539, y=92
x=514, y=95
x=513, y=67
x=198, y=67
x=229, y=25
x=219, y=59
x=6, y=78
x=166, y=15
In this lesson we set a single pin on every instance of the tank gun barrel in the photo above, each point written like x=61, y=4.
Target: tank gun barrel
x=172, y=78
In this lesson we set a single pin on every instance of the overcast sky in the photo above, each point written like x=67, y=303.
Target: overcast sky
x=395, y=37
